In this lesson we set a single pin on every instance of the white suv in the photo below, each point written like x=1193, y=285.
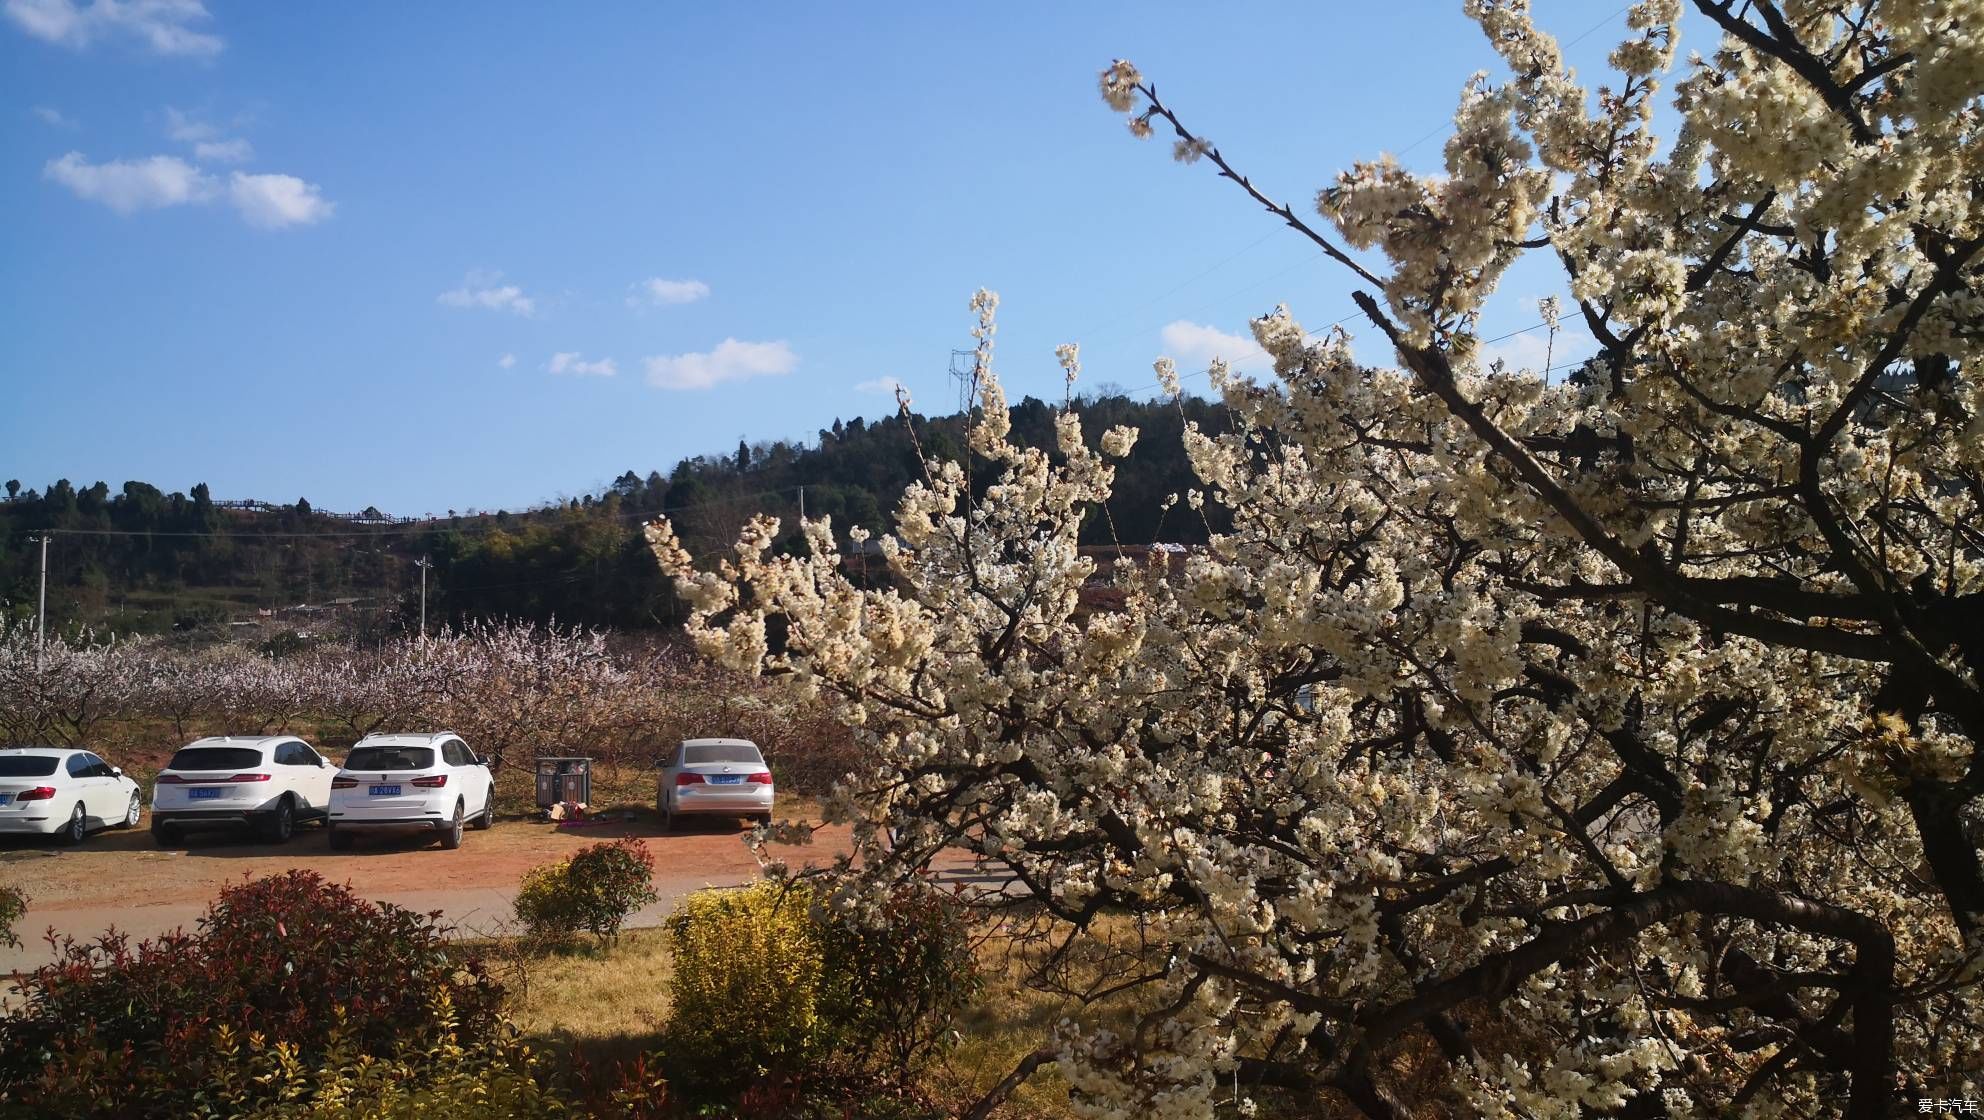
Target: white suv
x=410, y=783
x=270, y=783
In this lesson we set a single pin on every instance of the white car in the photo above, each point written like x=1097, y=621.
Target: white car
x=269, y=783
x=410, y=783
x=714, y=777
x=67, y=793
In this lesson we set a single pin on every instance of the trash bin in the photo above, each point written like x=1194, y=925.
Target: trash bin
x=563, y=779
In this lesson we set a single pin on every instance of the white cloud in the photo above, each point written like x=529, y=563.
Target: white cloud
x=128, y=186
x=53, y=118
x=161, y=25
x=208, y=141
x=573, y=364
x=1194, y=345
x=887, y=385
x=506, y=361
x=187, y=128
x=656, y=292
x=480, y=289
x=224, y=151
x=278, y=201
x=730, y=361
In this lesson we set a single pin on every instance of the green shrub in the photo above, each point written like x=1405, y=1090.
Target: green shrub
x=543, y=903
x=291, y=964
x=896, y=976
x=13, y=907
x=595, y=890
x=745, y=984
x=771, y=979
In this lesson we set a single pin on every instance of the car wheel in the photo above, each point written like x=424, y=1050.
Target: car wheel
x=281, y=824
x=340, y=839
x=135, y=811
x=77, y=828
x=762, y=818
x=451, y=838
x=164, y=834
x=487, y=818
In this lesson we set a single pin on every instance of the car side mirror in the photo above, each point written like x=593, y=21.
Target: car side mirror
x=117, y=771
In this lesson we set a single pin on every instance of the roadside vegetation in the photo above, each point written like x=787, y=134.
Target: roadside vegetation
x=293, y=998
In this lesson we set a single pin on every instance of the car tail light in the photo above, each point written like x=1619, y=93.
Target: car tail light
x=763, y=779
x=171, y=780
x=249, y=778
x=686, y=779
x=38, y=793
x=344, y=783
x=432, y=781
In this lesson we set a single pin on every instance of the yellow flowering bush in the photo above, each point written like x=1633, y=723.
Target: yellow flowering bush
x=498, y=1080
x=746, y=984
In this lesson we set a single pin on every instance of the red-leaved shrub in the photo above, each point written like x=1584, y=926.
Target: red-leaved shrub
x=117, y=1029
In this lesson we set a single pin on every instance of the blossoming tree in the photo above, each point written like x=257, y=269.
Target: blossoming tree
x=1610, y=742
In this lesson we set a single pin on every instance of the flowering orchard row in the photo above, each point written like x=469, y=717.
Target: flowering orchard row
x=514, y=690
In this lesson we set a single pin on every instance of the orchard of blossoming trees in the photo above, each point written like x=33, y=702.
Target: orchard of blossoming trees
x=1530, y=747
x=513, y=690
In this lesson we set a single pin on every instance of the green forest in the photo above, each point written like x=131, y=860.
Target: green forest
x=142, y=559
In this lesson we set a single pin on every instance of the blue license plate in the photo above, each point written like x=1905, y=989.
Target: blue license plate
x=202, y=793
x=6, y=798
x=385, y=791
x=726, y=779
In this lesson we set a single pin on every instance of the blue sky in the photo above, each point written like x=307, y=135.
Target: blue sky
x=400, y=254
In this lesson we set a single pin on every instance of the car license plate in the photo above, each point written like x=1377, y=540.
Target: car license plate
x=385, y=791
x=726, y=779
x=6, y=798
x=202, y=793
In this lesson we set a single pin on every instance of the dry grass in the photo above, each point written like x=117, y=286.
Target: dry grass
x=1009, y=1022
x=605, y=1003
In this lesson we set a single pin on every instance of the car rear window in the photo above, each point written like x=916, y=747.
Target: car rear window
x=27, y=766
x=721, y=752
x=215, y=758
x=389, y=758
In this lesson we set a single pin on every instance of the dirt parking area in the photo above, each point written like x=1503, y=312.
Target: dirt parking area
x=125, y=879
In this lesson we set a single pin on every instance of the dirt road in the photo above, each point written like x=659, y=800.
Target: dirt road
x=124, y=879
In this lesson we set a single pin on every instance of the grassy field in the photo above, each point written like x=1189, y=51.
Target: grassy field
x=605, y=1003
x=610, y=1003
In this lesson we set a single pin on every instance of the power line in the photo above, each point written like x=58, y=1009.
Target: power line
x=1105, y=332
x=1566, y=364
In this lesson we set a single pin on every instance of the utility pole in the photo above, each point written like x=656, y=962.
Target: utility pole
x=423, y=565
x=41, y=611
x=802, y=503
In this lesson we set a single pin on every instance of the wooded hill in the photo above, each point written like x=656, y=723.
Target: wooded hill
x=141, y=559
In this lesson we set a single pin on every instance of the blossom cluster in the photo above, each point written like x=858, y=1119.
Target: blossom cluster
x=1618, y=734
